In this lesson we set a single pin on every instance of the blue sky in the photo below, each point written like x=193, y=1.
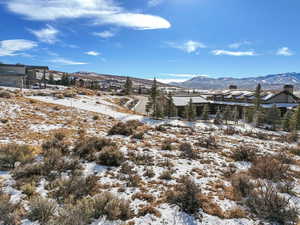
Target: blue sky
x=169, y=39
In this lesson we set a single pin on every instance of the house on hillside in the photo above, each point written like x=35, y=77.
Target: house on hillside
x=17, y=75
x=234, y=98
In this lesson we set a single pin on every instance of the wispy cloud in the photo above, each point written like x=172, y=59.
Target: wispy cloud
x=100, y=11
x=167, y=81
x=105, y=34
x=47, y=34
x=92, y=53
x=233, y=53
x=64, y=61
x=153, y=3
x=285, y=51
x=239, y=44
x=15, y=47
x=188, y=46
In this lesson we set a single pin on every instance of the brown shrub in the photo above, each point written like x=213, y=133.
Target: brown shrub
x=9, y=212
x=12, y=153
x=268, y=167
x=187, y=151
x=138, y=135
x=148, y=209
x=244, y=153
x=267, y=203
x=56, y=142
x=230, y=131
x=125, y=129
x=126, y=168
x=141, y=159
x=110, y=156
x=29, y=189
x=149, y=173
x=87, y=147
x=186, y=195
x=242, y=185
x=209, y=142
x=41, y=209
x=143, y=196
x=5, y=94
x=134, y=181
x=167, y=145
x=166, y=175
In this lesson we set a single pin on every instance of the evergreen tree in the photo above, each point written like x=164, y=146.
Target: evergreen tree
x=248, y=114
x=128, y=86
x=235, y=116
x=273, y=116
x=227, y=115
x=257, y=97
x=170, y=110
x=205, y=113
x=258, y=118
x=218, y=118
x=153, y=100
x=190, y=111
x=65, y=80
x=295, y=120
x=286, y=121
x=51, y=79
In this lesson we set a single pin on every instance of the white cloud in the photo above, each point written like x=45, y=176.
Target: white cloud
x=285, y=51
x=167, y=81
x=15, y=47
x=188, y=46
x=105, y=34
x=64, y=61
x=92, y=53
x=47, y=34
x=187, y=75
x=233, y=53
x=153, y=3
x=239, y=44
x=101, y=11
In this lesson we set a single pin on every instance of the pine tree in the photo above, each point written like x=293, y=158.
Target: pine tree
x=286, y=121
x=295, y=120
x=257, y=97
x=170, y=109
x=258, y=118
x=128, y=86
x=235, y=115
x=248, y=114
x=190, y=111
x=65, y=80
x=273, y=116
x=227, y=115
x=205, y=113
x=218, y=118
x=153, y=99
x=51, y=79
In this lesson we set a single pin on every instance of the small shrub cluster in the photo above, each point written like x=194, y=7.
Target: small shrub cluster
x=267, y=203
x=141, y=159
x=125, y=129
x=268, y=167
x=186, y=195
x=56, y=142
x=41, y=209
x=244, y=153
x=167, y=145
x=86, y=148
x=5, y=94
x=187, y=151
x=230, y=131
x=10, y=214
x=209, y=142
x=242, y=185
x=10, y=154
x=166, y=175
x=110, y=156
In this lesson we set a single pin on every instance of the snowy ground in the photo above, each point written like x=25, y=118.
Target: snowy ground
x=33, y=119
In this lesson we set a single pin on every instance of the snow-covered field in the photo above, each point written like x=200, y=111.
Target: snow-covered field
x=34, y=119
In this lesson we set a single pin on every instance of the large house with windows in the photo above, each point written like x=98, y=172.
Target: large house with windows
x=18, y=75
x=240, y=99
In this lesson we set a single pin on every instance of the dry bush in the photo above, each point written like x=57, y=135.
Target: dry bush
x=284, y=158
x=141, y=159
x=138, y=135
x=267, y=203
x=166, y=163
x=12, y=153
x=87, y=147
x=295, y=151
x=166, y=174
x=241, y=184
x=143, y=196
x=269, y=167
x=29, y=189
x=186, y=195
x=244, y=153
x=5, y=94
x=149, y=173
x=125, y=129
x=75, y=186
x=41, y=209
x=209, y=142
x=187, y=151
x=230, y=131
x=148, y=209
x=167, y=145
x=56, y=142
x=28, y=171
x=69, y=93
x=133, y=181
x=127, y=168
x=9, y=212
x=110, y=156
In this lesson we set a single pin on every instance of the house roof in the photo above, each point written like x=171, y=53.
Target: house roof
x=183, y=100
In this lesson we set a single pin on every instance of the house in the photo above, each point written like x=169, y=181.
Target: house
x=240, y=99
x=17, y=75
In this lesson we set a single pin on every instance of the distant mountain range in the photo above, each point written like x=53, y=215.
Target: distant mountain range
x=270, y=82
